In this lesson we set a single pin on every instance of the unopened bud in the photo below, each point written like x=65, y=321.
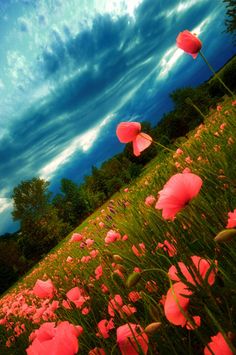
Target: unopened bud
x=133, y=279
x=225, y=235
x=117, y=258
x=152, y=328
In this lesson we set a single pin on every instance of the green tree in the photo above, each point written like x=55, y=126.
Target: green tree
x=71, y=203
x=230, y=20
x=41, y=228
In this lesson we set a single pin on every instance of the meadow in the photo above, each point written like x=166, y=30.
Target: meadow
x=130, y=279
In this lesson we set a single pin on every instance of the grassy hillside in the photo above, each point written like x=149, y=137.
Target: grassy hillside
x=134, y=267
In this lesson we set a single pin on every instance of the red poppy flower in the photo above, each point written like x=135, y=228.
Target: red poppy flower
x=189, y=43
x=201, y=267
x=44, y=289
x=176, y=304
x=128, y=335
x=59, y=340
x=131, y=132
x=177, y=192
x=218, y=346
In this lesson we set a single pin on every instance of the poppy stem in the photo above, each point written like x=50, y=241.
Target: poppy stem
x=190, y=102
x=157, y=143
x=215, y=74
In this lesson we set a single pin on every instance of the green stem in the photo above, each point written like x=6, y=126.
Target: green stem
x=190, y=102
x=157, y=143
x=216, y=75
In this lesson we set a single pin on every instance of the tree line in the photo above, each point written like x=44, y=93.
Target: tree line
x=46, y=219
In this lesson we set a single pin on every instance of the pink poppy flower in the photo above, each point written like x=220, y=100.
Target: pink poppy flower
x=115, y=304
x=60, y=340
x=151, y=286
x=112, y=236
x=201, y=266
x=137, y=252
x=77, y=296
x=176, y=304
x=127, y=310
x=44, y=289
x=89, y=242
x=104, y=326
x=98, y=272
x=76, y=237
x=128, y=335
x=189, y=43
x=177, y=192
x=231, y=219
x=149, y=201
x=131, y=132
x=218, y=346
x=97, y=351
x=168, y=247
x=197, y=322
x=85, y=259
x=134, y=296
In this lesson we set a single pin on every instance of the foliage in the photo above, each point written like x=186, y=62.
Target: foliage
x=230, y=20
x=41, y=229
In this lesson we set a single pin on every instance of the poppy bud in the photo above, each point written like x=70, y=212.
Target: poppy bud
x=225, y=235
x=152, y=328
x=133, y=279
x=117, y=258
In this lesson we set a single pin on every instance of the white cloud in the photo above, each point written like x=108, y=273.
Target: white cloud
x=168, y=61
x=181, y=7
x=121, y=7
x=82, y=142
x=2, y=86
x=5, y=203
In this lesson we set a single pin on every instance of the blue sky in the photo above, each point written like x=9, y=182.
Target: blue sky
x=70, y=71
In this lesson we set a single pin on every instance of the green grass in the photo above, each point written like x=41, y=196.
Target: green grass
x=192, y=233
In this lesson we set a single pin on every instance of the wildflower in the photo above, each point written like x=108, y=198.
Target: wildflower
x=76, y=237
x=131, y=132
x=104, y=326
x=128, y=335
x=218, y=346
x=44, y=289
x=97, y=351
x=167, y=247
x=201, y=266
x=98, y=272
x=189, y=43
x=149, y=201
x=112, y=236
x=177, y=192
x=137, y=252
x=176, y=304
x=77, y=296
x=231, y=219
x=49, y=339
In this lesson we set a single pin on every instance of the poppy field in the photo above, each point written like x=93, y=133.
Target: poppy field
x=153, y=270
